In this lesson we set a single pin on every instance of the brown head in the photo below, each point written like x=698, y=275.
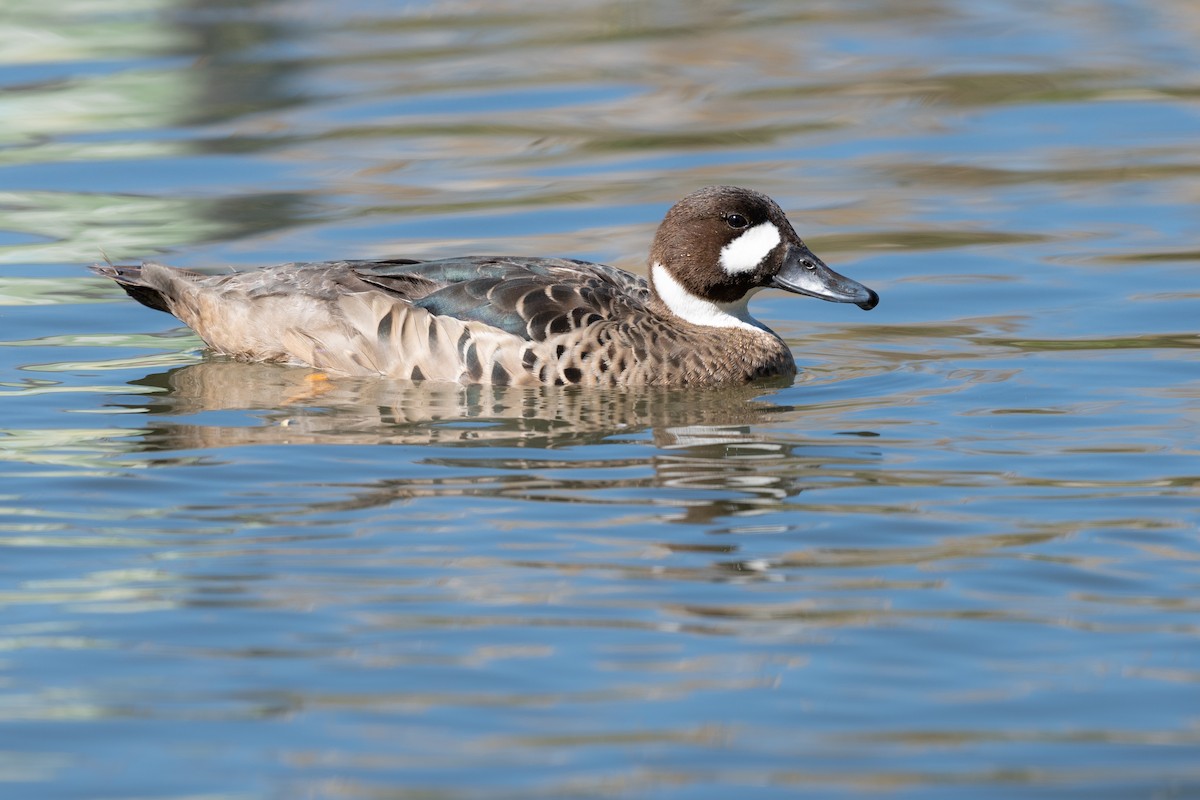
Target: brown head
x=720, y=245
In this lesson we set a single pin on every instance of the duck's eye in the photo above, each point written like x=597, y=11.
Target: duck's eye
x=736, y=221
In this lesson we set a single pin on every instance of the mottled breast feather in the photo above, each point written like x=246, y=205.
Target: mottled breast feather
x=533, y=298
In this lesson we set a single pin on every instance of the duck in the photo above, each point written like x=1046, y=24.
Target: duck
x=522, y=321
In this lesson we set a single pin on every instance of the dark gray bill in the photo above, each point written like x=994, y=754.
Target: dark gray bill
x=804, y=273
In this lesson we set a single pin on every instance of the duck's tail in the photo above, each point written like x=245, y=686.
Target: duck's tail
x=129, y=278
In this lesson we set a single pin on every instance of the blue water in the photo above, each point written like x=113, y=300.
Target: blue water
x=958, y=557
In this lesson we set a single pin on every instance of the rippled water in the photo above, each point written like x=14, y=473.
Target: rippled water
x=958, y=557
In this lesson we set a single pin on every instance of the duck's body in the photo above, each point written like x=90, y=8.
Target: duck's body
x=521, y=321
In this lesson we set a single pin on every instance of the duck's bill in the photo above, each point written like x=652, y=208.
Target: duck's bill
x=804, y=273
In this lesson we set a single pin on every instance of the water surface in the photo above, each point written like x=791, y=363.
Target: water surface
x=956, y=557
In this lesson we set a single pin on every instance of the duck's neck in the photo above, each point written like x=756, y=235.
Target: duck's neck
x=698, y=310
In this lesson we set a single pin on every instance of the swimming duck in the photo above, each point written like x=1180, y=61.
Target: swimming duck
x=522, y=320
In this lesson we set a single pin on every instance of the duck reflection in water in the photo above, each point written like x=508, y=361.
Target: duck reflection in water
x=715, y=440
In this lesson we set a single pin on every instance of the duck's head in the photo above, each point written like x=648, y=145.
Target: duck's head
x=720, y=245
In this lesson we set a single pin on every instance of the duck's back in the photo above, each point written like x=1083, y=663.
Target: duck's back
x=504, y=320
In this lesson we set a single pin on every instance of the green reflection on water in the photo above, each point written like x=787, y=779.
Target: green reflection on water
x=1185, y=341
x=90, y=227
x=97, y=116
x=965, y=89
x=1088, y=169
x=919, y=240
x=143, y=340
x=124, y=100
x=87, y=448
x=50, y=291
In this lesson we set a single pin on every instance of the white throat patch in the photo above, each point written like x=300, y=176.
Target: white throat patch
x=699, y=311
x=749, y=249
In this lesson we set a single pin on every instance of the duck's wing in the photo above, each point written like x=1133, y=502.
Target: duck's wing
x=532, y=298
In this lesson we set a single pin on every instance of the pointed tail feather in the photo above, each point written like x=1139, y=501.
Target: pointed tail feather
x=129, y=278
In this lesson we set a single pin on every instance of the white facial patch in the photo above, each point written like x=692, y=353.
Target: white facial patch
x=699, y=311
x=749, y=250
